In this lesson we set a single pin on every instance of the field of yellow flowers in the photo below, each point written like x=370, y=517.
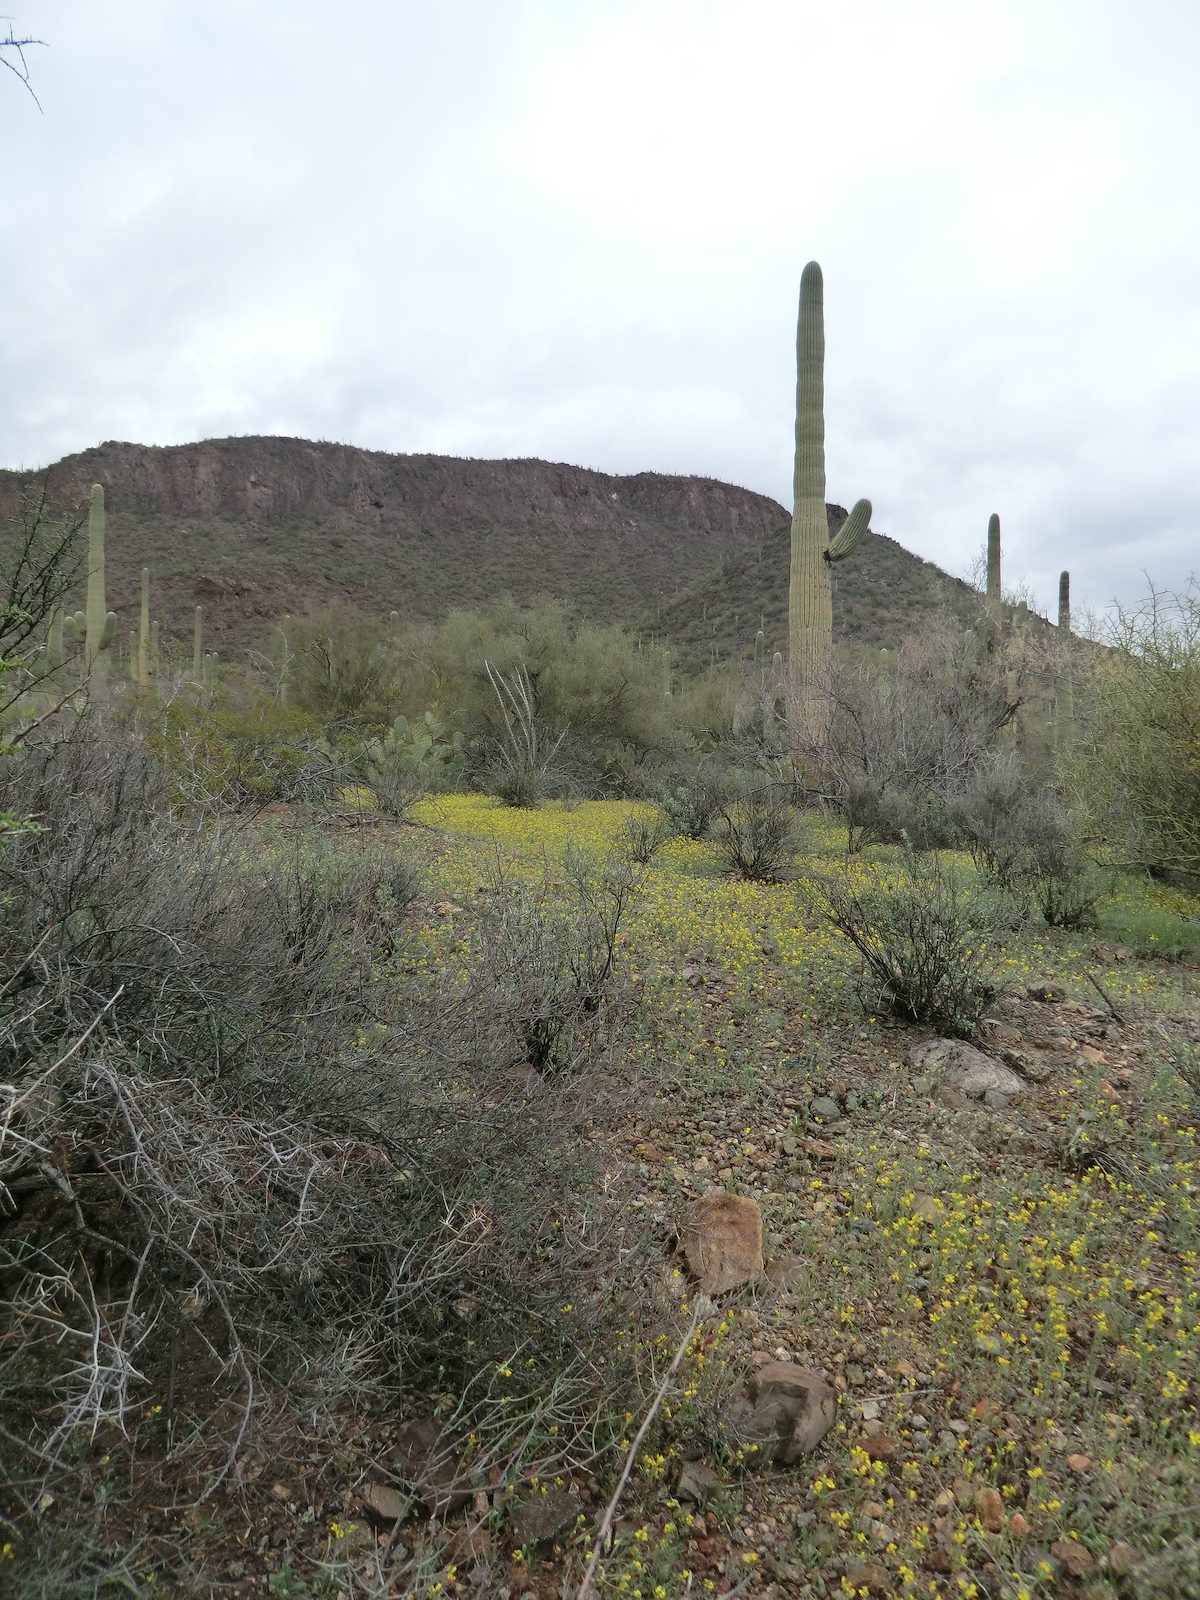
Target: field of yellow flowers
x=1007, y=1303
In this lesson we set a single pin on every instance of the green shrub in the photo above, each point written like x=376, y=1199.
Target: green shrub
x=759, y=835
x=925, y=941
x=238, y=758
x=693, y=797
x=1138, y=758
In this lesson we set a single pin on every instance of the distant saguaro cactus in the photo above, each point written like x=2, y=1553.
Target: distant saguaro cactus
x=1064, y=700
x=143, y=638
x=810, y=592
x=994, y=591
x=100, y=625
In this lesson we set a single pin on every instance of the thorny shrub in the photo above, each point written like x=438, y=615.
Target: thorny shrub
x=924, y=939
x=259, y=1164
x=759, y=835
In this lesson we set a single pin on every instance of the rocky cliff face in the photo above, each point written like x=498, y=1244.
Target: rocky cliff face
x=258, y=527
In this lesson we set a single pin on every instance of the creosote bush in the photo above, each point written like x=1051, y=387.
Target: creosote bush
x=925, y=940
x=759, y=835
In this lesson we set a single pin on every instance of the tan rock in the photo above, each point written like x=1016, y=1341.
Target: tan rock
x=991, y=1509
x=723, y=1241
x=785, y=1413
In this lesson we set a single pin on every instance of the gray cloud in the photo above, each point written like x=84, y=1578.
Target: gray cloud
x=577, y=232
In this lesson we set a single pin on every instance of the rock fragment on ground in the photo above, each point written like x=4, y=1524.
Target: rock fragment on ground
x=723, y=1242
x=958, y=1068
x=785, y=1413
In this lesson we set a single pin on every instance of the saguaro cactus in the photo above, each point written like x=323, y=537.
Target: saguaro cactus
x=810, y=592
x=994, y=594
x=100, y=625
x=197, y=643
x=54, y=641
x=143, y=644
x=1064, y=700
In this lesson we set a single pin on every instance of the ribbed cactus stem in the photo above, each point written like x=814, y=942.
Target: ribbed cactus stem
x=54, y=641
x=143, y=665
x=667, y=672
x=760, y=645
x=810, y=590
x=96, y=613
x=1064, y=703
x=777, y=664
x=994, y=593
x=135, y=657
x=154, y=648
x=197, y=644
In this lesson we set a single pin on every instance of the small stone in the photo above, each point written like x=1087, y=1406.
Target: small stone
x=1018, y=1527
x=1121, y=1558
x=385, y=1503
x=870, y=1576
x=1075, y=1557
x=540, y=1517
x=870, y=1410
x=943, y=1501
x=1045, y=990
x=879, y=1446
x=995, y=1101
x=698, y=1482
x=1079, y=1464
x=827, y=1108
x=991, y=1509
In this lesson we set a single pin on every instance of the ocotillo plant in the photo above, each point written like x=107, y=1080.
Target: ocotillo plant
x=810, y=593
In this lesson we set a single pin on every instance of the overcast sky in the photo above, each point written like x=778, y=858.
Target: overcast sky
x=575, y=229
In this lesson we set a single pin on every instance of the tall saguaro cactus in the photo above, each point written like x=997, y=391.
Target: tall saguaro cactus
x=810, y=591
x=994, y=592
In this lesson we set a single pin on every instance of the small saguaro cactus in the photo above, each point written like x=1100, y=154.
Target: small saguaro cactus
x=54, y=640
x=100, y=625
x=810, y=592
x=143, y=639
x=197, y=644
x=760, y=645
x=1064, y=700
x=667, y=671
